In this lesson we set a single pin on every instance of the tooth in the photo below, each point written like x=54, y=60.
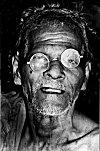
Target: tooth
x=53, y=90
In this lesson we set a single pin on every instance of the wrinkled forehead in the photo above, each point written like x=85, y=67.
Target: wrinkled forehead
x=53, y=29
x=56, y=30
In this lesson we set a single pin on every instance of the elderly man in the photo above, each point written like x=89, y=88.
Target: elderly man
x=52, y=64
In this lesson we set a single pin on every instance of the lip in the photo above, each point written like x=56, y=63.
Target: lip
x=50, y=90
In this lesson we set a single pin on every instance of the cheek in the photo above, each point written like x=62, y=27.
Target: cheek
x=75, y=78
x=33, y=78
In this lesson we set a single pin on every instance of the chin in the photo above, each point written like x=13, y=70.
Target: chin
x=52, y=110
x=51, y=104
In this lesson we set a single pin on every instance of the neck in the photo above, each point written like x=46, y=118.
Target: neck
x=53, y=129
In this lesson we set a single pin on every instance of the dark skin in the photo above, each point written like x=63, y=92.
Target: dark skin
x=56, y=76
x=55, y=115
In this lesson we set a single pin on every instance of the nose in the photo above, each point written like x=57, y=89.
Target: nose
x=55, y=71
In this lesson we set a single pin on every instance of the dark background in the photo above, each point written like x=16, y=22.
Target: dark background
x=10, y=12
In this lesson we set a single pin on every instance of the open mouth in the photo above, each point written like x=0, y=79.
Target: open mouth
x=49, y=90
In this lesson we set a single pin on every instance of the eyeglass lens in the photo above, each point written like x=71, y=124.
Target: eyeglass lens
x=39, y=62
x=70, y=58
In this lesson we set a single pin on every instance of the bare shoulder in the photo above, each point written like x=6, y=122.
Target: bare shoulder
x=87, y=142
x=84, y=123
x=88, y=137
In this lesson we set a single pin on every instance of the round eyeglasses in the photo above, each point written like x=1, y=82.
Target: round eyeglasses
x=70, y=58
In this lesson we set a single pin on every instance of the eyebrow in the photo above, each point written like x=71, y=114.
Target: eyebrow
x=37, y=46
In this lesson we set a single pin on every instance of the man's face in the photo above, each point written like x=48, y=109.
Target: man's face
x=52, y=90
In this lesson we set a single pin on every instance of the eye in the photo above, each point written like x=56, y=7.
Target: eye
x=70, y=58
x=38, y=62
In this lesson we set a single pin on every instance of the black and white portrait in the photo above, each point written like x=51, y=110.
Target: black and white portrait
x=50, y=75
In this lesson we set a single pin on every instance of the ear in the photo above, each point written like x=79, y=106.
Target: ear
x=16, y=74
x=87, y=72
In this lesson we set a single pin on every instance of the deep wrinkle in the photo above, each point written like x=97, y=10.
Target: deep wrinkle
x=56, y=38
x=69, y=40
